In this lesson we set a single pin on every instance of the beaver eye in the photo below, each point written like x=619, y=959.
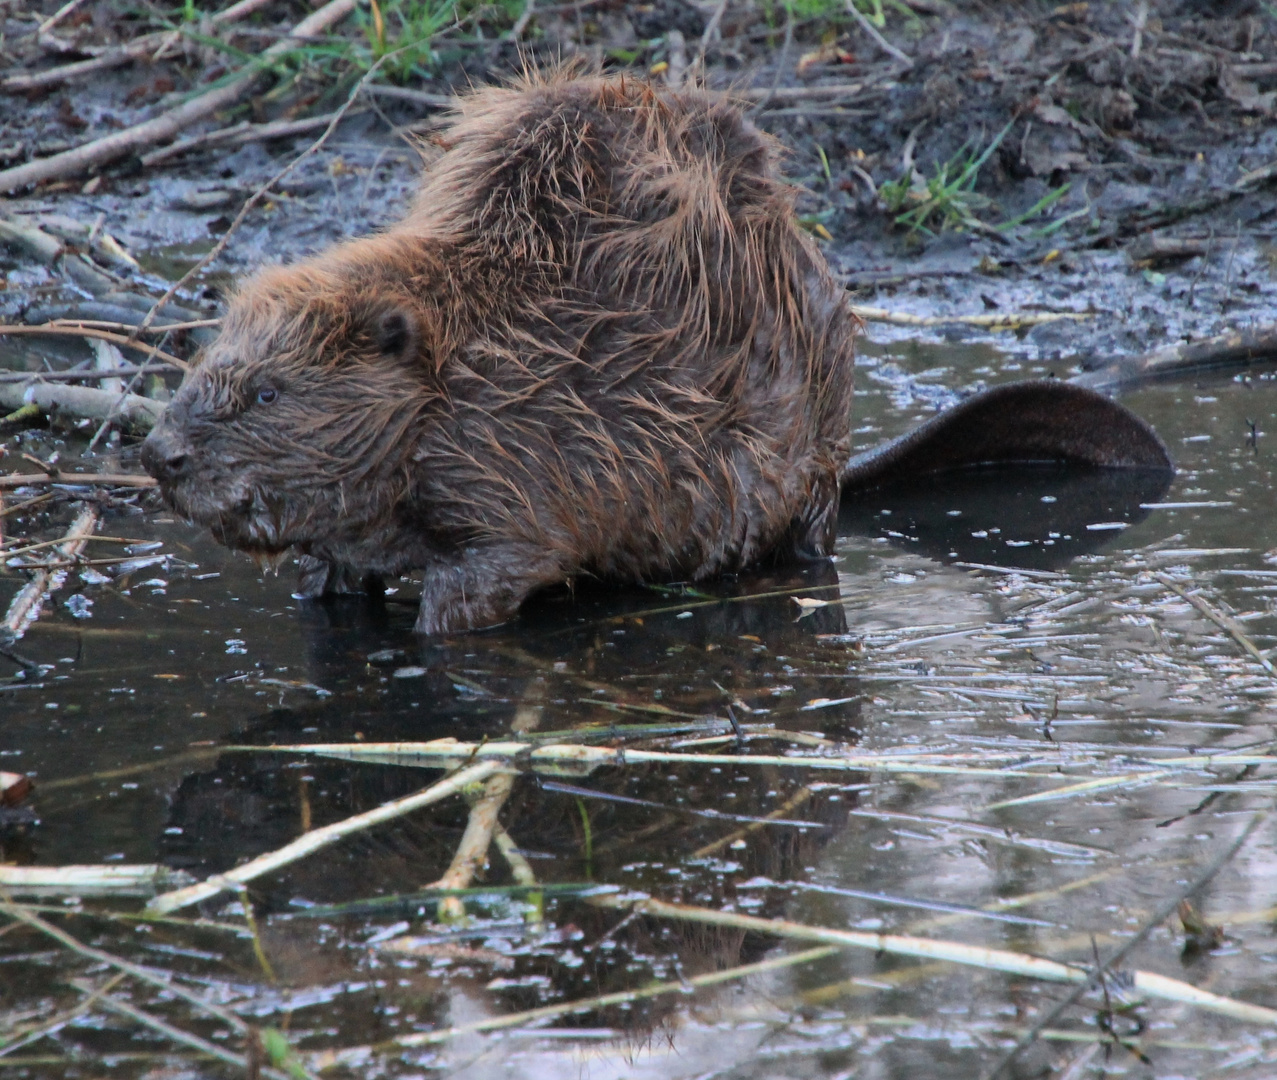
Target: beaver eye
x=266, y=395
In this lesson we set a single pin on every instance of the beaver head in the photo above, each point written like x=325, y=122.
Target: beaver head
x=294, y=427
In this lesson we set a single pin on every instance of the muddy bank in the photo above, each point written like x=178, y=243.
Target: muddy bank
x=1139, y=136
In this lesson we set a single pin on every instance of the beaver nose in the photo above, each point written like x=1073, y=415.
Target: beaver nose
x=165, y=457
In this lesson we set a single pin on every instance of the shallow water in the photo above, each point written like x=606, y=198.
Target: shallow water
x=1087, y=660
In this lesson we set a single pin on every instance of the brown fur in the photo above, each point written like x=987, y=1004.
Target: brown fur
x=598, y=344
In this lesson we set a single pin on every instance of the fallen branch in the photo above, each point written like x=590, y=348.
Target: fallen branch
x=128, y=880
x=123, y=371
x=130, y=411
x=24, y=609
x=320, y=838
x=172, y=123
x=1239, y=349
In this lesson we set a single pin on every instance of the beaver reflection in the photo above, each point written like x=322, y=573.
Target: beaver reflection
x=742, y=648
x=1032, y=518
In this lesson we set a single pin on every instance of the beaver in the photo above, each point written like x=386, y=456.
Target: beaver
x=598, y=344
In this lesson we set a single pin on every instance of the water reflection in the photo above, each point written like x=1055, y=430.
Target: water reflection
x=1035, y=518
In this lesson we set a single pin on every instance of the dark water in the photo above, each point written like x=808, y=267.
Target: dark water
x=1088, y=660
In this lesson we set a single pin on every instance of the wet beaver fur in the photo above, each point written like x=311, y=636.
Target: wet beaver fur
x=597, y=345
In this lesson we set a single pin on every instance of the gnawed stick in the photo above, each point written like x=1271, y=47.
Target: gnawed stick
x=120, y=55
x=25, y=607
x=239, y=133
x=320, y=838
x=481, y=827
x=172, y=123
x=130, y=411
x=1010, y=320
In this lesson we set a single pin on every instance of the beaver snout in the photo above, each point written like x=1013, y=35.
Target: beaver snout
x=166, y=455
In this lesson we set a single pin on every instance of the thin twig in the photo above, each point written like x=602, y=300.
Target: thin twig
x=62, y=330
x=878, y=39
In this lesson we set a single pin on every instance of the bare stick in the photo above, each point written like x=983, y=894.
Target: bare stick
x=149, y=44
x=172, y=123
x=48, y=329
x=320, y=838
x=1238, y=349
x=131, y=411
x=162, y=328
x=472, y=851
x=710, y=27
x=24, y=609
x=878, y=39
x=82, y=376
x=110, y=58
x=19, y=480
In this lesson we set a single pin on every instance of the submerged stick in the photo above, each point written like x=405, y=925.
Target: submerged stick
x=172, y=123
x=577, y=759
x=320, y=838
x=24, y=609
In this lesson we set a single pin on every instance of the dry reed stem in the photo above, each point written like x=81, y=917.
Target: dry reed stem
x=320, y=838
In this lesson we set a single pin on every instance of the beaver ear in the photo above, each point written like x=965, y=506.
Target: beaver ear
x=397, y=334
